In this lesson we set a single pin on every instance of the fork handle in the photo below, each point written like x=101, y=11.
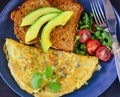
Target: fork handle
x=116, y=51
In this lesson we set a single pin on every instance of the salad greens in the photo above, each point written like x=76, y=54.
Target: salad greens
x=87, y=22
x=51, y=82
x=103, y=37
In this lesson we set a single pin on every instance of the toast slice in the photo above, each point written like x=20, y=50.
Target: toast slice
x=62, y=37
x=61, y=2
x=18, y=15
x=52, y=2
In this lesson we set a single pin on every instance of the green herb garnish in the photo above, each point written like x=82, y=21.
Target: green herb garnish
x=51, y=81
x=48, y=72
x=54, y=86
x=36, y=81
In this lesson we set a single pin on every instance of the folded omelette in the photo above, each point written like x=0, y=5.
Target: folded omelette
x=71, y=70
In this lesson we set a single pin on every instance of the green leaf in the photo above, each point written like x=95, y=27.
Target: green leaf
x=93, y=37
x=104, y=43
x=83, y=46
x=101, y=38
x=80, y=22
x=84, y=27
x=54, y=86
x=36, y=81
x=54, y=80
x=76, y=38
x=48, y=71
x=99, y=29
x=105, y=35
x=97, y=33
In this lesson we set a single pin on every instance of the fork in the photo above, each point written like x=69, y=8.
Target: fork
x=100, y=20
x=98, y=14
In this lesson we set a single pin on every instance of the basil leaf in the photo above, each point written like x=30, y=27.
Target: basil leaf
x=36, y=81
x=48, y=71
x=54, y=86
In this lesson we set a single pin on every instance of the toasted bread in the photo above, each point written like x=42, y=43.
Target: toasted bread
x=18, y=15
x=62, y=37
x=61, y=2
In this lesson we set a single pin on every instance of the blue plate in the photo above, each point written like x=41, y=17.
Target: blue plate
x=99, y=82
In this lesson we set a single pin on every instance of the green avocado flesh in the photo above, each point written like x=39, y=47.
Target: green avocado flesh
x=61, y=19
x=32, y=16
x=34, y=29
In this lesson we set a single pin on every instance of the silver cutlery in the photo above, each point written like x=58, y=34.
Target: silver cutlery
x=108, y=20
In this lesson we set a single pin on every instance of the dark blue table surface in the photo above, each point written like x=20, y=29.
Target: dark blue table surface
x=112, y=91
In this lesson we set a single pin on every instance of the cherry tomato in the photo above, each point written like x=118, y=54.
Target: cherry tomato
x=85, y=35
x=92, y=45
x=103, y=53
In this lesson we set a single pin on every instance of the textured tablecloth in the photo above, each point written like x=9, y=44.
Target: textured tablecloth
x=112, y=91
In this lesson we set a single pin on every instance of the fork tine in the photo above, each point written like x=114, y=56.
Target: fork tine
x=101, y=12
x=98, y=13
x=103, y=15
x=94, y=12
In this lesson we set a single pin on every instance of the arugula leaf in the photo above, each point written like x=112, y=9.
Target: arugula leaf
x=83, y=46
x=99, y=28
x=84, y=27
x=36, y=81
x=103, y=37
x=97, y=34
x=76, y=38
x=86, y=21
x=54, y=86
x=48, y=71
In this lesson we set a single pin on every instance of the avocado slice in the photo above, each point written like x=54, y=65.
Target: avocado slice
x=61, y=19
x=32, y=16
x=33, y=30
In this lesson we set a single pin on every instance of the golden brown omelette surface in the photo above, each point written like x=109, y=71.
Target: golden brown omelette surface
x=72, y=70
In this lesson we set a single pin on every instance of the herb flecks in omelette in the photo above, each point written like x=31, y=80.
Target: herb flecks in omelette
x=47, y=77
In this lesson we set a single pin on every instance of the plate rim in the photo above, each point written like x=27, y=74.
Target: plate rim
x=2, y=75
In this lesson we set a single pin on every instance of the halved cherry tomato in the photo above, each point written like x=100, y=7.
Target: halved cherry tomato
x=85, y=35
x=103, y=53
x=92, y=45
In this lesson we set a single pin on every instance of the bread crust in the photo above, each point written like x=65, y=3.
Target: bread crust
x=24, y=9
x=61, y=2
x=62, y=37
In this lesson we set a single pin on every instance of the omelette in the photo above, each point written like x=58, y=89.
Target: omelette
x=70, y=70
